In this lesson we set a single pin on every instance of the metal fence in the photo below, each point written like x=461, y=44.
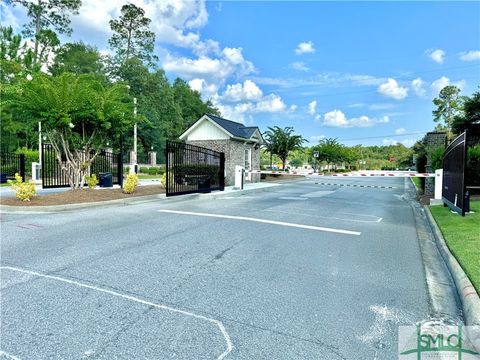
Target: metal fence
x=53, y=176
x=454, y=169
x=11, y=164
x=193, y=169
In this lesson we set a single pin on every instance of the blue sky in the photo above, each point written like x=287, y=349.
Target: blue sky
x=352, y=70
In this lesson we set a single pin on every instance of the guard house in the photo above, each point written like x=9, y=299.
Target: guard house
x=240, y=143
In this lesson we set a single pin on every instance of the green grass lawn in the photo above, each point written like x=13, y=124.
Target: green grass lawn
x=462, y=235
x=417, y=182
x=149, y=176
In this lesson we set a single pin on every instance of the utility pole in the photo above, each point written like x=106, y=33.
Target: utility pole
x=135, y=157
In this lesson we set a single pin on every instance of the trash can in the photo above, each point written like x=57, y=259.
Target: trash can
x=204, y=184
x=105, y=179
x=3, y=178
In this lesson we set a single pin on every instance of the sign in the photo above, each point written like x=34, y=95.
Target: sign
x=316, y=154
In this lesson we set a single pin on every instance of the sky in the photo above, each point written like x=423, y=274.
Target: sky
x=362, y=72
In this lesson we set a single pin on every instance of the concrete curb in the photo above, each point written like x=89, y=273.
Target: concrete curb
x=7, y=209
x=466, y=292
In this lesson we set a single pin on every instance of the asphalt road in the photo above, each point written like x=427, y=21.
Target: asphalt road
x=330, y=272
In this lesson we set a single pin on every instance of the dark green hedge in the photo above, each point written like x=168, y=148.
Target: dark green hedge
x=202, y=169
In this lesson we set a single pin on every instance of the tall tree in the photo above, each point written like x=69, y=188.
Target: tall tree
x=79, y=115
x=190, y=103
x=52, y=15
x=470, y=117
x=77, y=58
x=283, y=141
x=449, y=104
x=131, y=36
x=329, y=151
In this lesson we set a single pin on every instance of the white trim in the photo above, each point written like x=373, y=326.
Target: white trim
x=198, y=122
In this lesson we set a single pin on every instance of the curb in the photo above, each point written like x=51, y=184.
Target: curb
x=8, y=209
x=466, y=292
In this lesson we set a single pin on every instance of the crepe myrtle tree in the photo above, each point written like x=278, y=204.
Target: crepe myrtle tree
x=79, y=115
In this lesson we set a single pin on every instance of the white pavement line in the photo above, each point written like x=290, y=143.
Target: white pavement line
x=292, y=198
x=264, y=221
x=3, y=353
x=218, y=323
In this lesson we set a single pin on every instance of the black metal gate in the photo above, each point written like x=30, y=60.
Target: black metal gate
x=11, y=164
x=454, y=164
x=193, y=169
x=54, y=177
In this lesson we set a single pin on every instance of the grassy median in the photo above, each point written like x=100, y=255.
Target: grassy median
x=462, y=235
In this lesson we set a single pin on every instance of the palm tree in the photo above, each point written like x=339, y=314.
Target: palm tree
x=282, y=141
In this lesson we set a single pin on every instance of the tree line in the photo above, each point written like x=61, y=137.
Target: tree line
x=44, y=80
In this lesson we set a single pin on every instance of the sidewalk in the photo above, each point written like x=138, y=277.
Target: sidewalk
x=228, y=192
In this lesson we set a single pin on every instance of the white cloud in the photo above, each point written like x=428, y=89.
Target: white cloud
x=317, y=137
x=270, y=103
x=417, y=86
x=231, y=62
x=337, y=118
x=312, y=107
x=293, y=108
x=305, y=48
x=8, y=17
x=299, y=66
x=382, y=106
x=240, y=92
x=390, y=88
x=356, y=105
x=443, y=81
x=470, y=55
x=173, y=21
x=400, y=131
x=204, y=88
x=437, y=55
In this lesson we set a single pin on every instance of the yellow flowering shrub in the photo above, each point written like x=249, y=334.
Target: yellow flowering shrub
x=91, y=180
x=130, y=184
x=23, y=190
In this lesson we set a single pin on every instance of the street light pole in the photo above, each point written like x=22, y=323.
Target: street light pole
x=135, y=162
x=40, y=143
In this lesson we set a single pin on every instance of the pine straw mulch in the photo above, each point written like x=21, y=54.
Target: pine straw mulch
x=82, y=196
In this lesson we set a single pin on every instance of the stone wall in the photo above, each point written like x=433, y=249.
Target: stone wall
x=234, y=155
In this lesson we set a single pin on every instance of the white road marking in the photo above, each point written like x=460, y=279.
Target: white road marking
x=293, y=198
x=218, y=323
x=3, y=353
x=264, y=221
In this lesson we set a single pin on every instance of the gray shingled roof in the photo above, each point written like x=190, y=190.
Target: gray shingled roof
x=236, y=129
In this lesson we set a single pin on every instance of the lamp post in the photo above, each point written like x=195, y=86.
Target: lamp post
x=135, y=158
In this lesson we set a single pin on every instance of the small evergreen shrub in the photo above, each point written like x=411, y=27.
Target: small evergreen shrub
x=130, y=184
x=91, y=180
x=23, y=190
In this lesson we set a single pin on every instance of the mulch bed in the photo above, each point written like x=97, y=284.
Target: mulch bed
x=82, y=196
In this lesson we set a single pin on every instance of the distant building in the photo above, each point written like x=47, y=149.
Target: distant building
x=240, y=143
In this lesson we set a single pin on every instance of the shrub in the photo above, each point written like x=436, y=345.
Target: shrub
x=152, y=171
x=144, y=170
x=130, y=184
x=23, y=190
x=435, y=157
x=92, y=181
x=163, y=180
x=473, y=166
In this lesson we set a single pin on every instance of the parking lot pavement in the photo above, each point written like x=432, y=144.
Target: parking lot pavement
x=254, y=276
